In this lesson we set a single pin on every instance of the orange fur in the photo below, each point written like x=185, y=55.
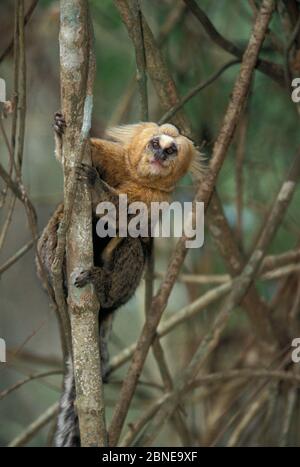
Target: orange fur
x=124, y=160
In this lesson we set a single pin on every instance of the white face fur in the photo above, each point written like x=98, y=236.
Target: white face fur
x=159, y=157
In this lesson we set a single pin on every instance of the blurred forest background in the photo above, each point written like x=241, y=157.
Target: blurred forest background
x=265, y=142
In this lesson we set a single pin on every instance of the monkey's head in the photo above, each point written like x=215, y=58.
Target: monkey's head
x=156, y=155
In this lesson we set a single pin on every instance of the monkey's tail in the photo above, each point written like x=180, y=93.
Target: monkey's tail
x=67, y=431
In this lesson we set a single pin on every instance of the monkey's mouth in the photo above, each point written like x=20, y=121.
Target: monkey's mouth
x=159, y=160
x=158, y=164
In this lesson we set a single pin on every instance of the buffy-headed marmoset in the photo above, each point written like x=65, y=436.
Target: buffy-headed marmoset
x=143, y=161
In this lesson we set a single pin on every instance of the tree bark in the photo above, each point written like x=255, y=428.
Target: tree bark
x=77, y=75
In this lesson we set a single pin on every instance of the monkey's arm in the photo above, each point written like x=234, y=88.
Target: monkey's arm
x=101, y=192
x=107, y=156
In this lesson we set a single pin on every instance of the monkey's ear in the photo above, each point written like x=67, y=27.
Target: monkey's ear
x=198, y=165
x=124, y=133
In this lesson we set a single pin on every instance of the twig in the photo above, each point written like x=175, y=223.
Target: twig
x=204, y=193
x=26, y=19
x=240, y=156
x=251, y=412
x=11, y=160
x=288, y=414
x=221, y=377
x=137, y=36
x=239, y=289
x=222, y=235
x=170, y=113
x=21, y=107
x=170, y=23
x=288, y=77
x=136, y=428
x=8, y=220
x=14, y=258
x=273, y=70
x=19, y=384
x=35, y=427
x=169, y=324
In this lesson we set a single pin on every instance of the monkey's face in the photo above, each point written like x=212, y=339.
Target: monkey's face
x=156, y=155
x=160, y=153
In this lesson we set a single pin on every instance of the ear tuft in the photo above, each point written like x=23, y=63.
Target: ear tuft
x=124, y=133
x=198, y=165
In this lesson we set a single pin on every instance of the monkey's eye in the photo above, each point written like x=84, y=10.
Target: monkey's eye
x=171, y=149
x=155, y=143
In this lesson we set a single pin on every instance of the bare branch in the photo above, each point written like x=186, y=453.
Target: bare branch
x=77, y=77
x=159, y=302
x=273, y=70
x=35, y=427
x=26, y=19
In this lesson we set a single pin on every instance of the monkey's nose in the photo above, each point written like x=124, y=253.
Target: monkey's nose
x=160, y=155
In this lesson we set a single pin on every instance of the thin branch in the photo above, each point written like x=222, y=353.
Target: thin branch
x=288, y=75
x=239, y=289
x=239, y=179
x=186, y=313
x=159, y=302
x=30, y=378
x=199, y=87
x=137, y=36
x=254, y=409
x=136, y=427
x=21, y=107
x=15, y=257
x=273, y=70
x=35, y=427
x=26, y=19
x=175, y=15
x=288, y=415
x=222, y=377
x=222, y=235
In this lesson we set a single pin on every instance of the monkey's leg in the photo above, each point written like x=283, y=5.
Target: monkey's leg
x=115, y=287
x=98, y=277
x=107, y=255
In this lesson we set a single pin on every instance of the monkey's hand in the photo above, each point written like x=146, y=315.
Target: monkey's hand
x=59, y=129
x=59, y=124
x=101, y=191
x=87, y=174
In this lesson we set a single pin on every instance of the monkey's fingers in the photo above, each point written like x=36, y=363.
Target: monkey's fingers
x=59, y=123
x=86, y=173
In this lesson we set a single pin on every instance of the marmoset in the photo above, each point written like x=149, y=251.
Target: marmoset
x=143, y=161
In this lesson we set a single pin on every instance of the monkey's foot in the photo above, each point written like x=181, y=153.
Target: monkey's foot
x=59, y=123
x=86, y=277
x=87, y=174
